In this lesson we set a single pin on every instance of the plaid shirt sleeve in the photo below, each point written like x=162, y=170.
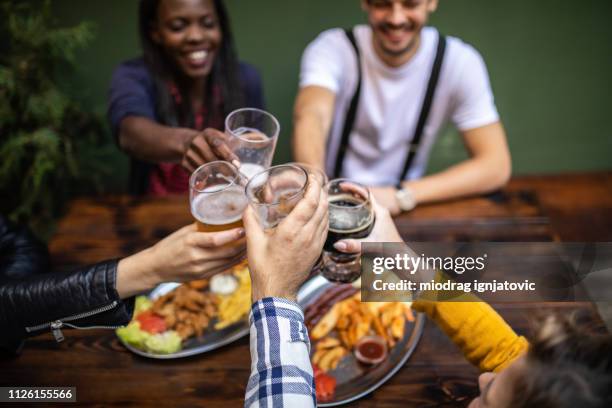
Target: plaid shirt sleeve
x=281, y=372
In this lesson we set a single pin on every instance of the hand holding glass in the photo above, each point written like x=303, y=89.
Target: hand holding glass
x=252, y=137
x=216, y=195
x=273, y=193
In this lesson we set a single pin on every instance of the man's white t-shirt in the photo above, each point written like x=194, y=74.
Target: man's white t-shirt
x=391, y=100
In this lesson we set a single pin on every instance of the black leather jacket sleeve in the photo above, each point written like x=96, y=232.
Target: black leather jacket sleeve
x=34, y=301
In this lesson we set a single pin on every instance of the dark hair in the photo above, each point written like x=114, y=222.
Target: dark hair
x=224, y=72
x=568, y=365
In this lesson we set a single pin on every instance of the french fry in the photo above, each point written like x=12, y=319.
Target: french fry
x=378, y=327
x=343, y=322
x=362, y=329
x=233, y=307
x=398, y=310
x=343, y=334
x=408, y=313
x=328, y=342
x=337, y=360
x=353, y=335
x=327, y=360
x=316, y=358
x=375, y=307
x=397, y=327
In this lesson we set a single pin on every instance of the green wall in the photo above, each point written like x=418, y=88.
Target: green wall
x=550, y=63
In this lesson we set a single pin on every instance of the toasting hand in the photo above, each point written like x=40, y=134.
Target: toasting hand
x=182, y=256
x=280, y=259
x=207, y=146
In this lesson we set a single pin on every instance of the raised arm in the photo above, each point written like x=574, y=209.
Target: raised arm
x=312, y=117
x=34, y=300
x=322, y=76
x=280, y=260
x=483, y=336
x=149, y=141
x=133, y=119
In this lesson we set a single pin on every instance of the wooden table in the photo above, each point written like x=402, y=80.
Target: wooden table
x=568, y=208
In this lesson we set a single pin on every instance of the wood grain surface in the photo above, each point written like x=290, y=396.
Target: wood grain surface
x=563, y=208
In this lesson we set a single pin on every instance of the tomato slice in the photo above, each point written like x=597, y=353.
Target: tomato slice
x=325, y=385
x=151, y=323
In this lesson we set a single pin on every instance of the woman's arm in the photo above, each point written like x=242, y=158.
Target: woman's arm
x=149, y=141
x=134, y=122
x=30, y=305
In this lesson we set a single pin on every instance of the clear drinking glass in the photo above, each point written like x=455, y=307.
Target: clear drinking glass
x=273, y=193
x=252, y=137
x=217, y=197
x=314, y=173
x=350, y=216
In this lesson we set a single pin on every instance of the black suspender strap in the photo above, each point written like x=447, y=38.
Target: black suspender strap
x=427, y=101
x=352, y=110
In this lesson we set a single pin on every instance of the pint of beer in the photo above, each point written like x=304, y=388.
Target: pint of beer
x=350, y=216
x=217, y=196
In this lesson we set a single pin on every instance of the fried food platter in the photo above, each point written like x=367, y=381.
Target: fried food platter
x=203, y=320
x=338, y=322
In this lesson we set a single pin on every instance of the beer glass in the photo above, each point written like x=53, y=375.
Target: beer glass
x=252, y=137
x=273, y=193
x=350, y=216
x=216, y=196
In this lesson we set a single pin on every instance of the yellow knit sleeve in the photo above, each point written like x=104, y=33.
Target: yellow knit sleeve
x=483, y=336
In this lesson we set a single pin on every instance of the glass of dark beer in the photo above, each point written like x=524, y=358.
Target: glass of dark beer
x=350, y=216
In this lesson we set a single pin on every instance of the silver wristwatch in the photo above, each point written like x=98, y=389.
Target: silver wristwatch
x=405, y=198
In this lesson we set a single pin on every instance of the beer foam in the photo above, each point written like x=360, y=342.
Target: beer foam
x=222, y=207
x=348, y=219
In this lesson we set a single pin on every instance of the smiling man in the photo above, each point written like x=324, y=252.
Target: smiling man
x=372, y=100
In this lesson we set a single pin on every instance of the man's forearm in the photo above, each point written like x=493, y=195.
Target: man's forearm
x=280, y=350
x=312, y=118
x=309, y=141
x=473, y=176
x=149, y=141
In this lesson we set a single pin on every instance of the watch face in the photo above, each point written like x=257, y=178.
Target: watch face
x=406, y=199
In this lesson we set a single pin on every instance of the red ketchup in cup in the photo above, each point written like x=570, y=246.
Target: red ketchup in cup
x=371, y=350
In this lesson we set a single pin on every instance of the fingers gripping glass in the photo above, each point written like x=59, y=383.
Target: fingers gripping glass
x=273, y=193
x=217, y=197
x=351, y=216
x=252, y=137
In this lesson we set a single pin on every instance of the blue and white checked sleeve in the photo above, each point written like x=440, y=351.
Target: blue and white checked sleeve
x=281, y=372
